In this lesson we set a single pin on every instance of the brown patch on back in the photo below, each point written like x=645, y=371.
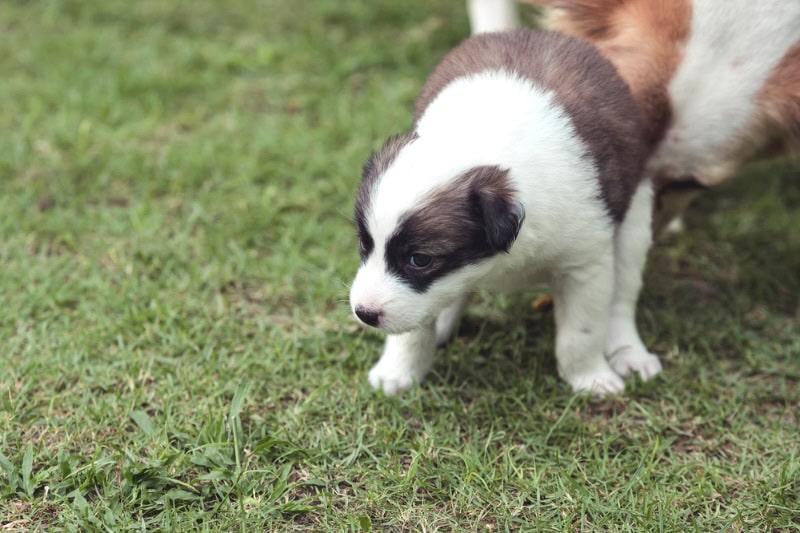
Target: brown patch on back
x=642, y=38
x=779, y=104
x=583, y=83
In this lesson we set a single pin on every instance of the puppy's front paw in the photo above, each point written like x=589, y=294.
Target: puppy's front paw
x=405, y=360
x=628, y=359
x=393, y=379
x=598, y=381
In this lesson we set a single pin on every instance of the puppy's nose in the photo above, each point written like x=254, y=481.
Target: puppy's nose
x=369, y=317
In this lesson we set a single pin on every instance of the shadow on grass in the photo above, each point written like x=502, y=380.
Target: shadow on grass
x=734, y=275
x=498, y=353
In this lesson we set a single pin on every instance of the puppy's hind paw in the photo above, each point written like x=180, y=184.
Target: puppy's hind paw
x=627, y=359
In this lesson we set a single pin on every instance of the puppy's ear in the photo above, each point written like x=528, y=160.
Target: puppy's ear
x=495, y=201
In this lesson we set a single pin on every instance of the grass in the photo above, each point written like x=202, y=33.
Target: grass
x=176, y=182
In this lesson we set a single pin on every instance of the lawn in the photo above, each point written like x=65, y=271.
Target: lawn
x=176, y=350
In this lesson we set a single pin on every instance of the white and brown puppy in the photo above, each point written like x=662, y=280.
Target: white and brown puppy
x=524, y=163
x=717, y=81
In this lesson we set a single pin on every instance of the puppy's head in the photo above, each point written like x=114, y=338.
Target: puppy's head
x=426, y=233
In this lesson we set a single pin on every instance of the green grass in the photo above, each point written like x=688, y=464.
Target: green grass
x=176, y=352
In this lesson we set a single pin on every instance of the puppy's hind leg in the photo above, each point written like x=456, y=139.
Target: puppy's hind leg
x=582, y=297
x=406, y=359
x=448, y=320
x=624, y=348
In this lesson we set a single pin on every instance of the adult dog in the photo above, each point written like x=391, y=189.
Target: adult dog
x=717, y=82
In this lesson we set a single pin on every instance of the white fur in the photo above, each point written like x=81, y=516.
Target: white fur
x=492, y=15
x=582, y=295
x=732, y=48
x=497, y=119
x=624, y=348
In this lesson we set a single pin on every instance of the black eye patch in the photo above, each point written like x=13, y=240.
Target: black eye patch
x=447, y=247
x=472, y=218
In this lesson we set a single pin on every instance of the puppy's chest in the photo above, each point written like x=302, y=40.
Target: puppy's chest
x=514, y=280
x=509, y=274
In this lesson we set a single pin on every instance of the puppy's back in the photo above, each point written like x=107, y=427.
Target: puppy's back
x=583, y=83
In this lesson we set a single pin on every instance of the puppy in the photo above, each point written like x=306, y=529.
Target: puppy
x=523, y=164
x=717, y=81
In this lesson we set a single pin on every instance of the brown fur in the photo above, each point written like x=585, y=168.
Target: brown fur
x=481, y=198
x=779, y=105
x=642, y=38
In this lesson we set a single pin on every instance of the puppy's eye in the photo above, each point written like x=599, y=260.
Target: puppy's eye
x=419, y=260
